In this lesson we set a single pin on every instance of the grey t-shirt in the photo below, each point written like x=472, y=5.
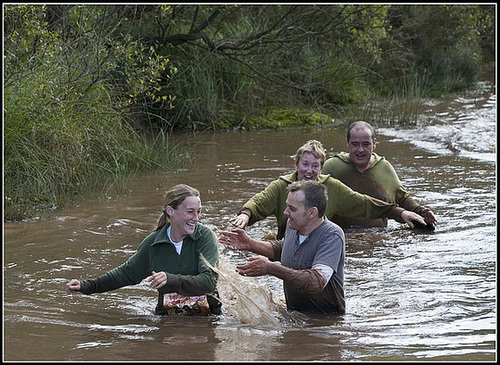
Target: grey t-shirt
x=325, y=245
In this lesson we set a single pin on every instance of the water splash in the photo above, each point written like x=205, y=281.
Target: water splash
x=246, y=301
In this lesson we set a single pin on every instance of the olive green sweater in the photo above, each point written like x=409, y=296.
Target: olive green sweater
x=380, y=180
x=342, y=202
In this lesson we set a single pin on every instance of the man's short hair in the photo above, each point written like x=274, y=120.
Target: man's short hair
x=362, y=124
x=314, y=192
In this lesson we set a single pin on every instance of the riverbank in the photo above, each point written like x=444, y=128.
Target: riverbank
x=89, y=154
x=92, y=92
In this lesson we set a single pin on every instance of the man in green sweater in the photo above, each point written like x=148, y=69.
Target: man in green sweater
x=169, y=258
x=369, y=173
x=342, y=200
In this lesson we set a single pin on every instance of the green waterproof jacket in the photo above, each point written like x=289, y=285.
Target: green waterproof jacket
x=342, y=202
x=380, y=180
x=186, y=273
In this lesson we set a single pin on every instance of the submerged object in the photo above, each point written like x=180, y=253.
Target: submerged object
x=176, y=304
x=426, y=226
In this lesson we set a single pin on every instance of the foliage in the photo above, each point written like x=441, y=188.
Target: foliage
x=286, y=118
x=82, y=46
x=63, y=132
x=83, y=84
x=437, y=45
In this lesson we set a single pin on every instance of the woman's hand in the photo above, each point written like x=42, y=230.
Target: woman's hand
x=240, y=221
x=73, y=286
x=157, y=279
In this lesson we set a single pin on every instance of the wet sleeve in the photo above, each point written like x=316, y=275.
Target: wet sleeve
x=310, y=281
x=104, y=283
x=277, y=247
x=388, y=176
x=131, y=272
x=349, y=203
x=406, y=201
x=263, y=204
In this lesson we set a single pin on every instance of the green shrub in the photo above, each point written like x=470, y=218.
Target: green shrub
x=288, y=118
x=57, y=150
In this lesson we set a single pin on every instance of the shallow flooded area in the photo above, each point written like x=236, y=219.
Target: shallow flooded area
x=410, y=295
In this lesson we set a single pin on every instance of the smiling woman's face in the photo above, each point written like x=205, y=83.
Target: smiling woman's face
x=308, y=167
x=183, y=220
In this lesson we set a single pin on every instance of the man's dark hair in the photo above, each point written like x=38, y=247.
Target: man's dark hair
x=314, y=192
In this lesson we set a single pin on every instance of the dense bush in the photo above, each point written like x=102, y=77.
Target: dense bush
x=92, y=91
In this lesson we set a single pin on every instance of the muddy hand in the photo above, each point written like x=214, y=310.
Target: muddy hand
x=429, y=217
x=73, y=286
x=412, y=218
x=240, y=221
x=255, y=266
x=157, y=279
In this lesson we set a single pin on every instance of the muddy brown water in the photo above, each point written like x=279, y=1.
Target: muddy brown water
x=410, y=295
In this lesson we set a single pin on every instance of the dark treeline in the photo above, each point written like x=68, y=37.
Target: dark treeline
x=97, y=87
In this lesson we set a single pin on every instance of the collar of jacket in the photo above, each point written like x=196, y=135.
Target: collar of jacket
x=293, y=177
x=162, y=237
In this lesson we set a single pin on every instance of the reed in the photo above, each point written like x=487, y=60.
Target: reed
x=401, y=105
x=210, y=92
x=57, y=150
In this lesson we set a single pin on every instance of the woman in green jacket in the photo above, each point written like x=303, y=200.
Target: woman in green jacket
x=169, y=257
x=342, y=200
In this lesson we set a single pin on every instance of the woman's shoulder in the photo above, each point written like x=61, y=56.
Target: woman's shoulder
x=202, y=231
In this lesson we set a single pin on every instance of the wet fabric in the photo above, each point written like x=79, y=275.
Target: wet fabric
x=306, y=291
x=380, y=181
x=342, y=202
x=186, y=273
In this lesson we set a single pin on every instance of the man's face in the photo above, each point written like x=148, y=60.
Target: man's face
x=308, y=167
x=361, y=145
x=295, y=210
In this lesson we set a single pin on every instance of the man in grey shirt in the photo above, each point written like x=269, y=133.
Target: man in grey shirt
x=309, y=259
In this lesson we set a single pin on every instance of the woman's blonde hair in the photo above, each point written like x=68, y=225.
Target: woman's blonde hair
x=312, y=146
x=174, y=197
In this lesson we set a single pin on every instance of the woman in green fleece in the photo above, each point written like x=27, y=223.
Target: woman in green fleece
x=342, y=200
x=169, y=257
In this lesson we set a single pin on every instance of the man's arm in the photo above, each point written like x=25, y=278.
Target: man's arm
x=308, y=280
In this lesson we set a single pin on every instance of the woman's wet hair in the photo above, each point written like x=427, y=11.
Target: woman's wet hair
x=174, y=197
x=314, y=147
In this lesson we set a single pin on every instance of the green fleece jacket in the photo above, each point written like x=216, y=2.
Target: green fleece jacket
x=380, y=180
x=342, y=202
x=186, y=273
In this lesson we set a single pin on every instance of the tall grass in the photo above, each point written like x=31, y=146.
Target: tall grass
x=58, y=150
x=211, y=92
x=402, y=105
